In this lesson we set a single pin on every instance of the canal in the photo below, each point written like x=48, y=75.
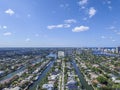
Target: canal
x=12, y=74
x=18, y=71
x=81, y=77
x=41, y=76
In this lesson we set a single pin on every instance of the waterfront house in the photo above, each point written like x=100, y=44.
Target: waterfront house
x=93, y=75
x=1, y=73
x=48, y=86
x=71, y=84
x=15, y=88
x=52, y=77
x=117, y=81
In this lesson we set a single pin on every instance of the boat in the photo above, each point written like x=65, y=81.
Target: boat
x=36, y=78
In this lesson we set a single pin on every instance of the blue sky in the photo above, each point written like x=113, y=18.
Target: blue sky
x=59, y=23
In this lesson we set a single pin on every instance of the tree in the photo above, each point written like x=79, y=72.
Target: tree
x=1, y=86
x=102, y=79
x=106, y=88
x=116, y=86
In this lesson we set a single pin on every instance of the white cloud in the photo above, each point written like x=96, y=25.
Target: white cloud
x=66, y=25
x=0, y=27
x=61, y=5
x=118, y=33
x=45, y=36
x=92, y=12
x=111, y=27
x=7, y=33
x=111, y=37
x=27, y=39
x=29, y=15
x=110, y=7
x=108, y=2
x=53, y=12
x=103, y=37
x=70, y=21
x=4, y=27
x=80, y=29
x=58, y=26
x=64, y=5
x=51, y=27
x=85, y=19
x=37, y=35
x=113, y=40
x=10, y=12
x=115, y=31
x=83, y=2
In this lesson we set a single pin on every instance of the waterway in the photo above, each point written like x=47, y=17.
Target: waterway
x=105, y=54
x=41, y=76
x=12, y=74
x=81, y=77
x=18, y=71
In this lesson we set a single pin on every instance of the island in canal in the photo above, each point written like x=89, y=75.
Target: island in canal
x=69, y=68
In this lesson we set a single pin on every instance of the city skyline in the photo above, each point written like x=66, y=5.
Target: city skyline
x=63, y=23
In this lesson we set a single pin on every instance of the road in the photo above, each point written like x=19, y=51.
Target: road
x=59, y=85
x=63, y=69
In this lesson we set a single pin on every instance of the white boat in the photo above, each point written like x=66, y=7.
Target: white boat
x=36, y=78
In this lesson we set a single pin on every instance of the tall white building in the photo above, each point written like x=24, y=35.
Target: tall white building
x=61, y=54
x=118, y=49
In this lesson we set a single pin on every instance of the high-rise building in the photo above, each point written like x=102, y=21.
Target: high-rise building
x=118, y=49
x=61, y=54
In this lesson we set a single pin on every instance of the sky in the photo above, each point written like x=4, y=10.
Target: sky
x=59, y=23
